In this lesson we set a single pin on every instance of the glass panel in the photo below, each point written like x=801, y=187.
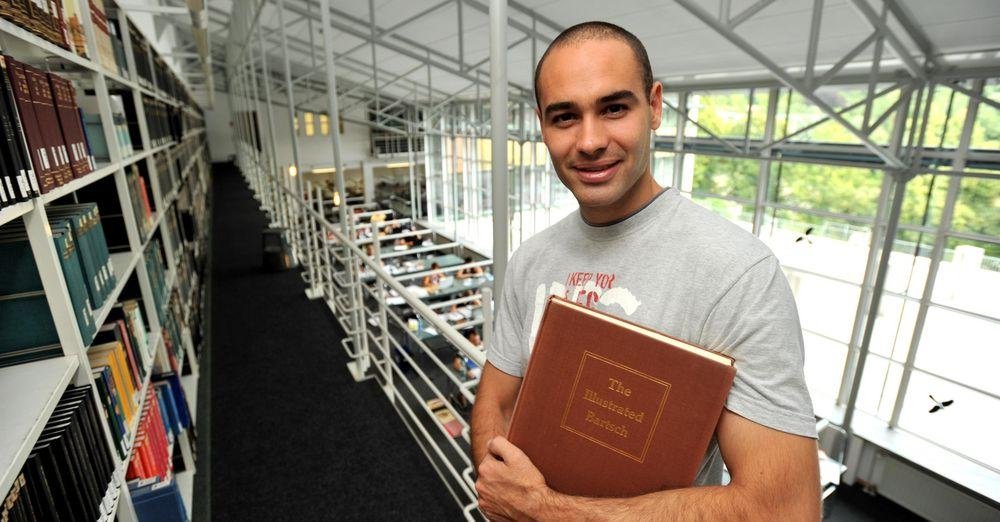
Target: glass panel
x=986, y=133
x=826, y=307
x=923, y=200
x=844, y=190
x=944, y=126
x=794, y=113
x=969, y=426
x=725, y=176
x=310, y=128
x=977, y=209
x=663, y=168
x=909, y=263
x=824, y=361
x=668, y=118
x=879, y=385
x=828, y=246
x=724, y=113
x=894, y=325
x=969, y=277
x=324, y=124
x=960, y=347
x=739, y=213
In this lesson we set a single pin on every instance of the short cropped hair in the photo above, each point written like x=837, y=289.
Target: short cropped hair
x=600, y=31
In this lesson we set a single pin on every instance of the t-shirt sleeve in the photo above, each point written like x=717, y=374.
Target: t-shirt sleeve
x=757, y=324
x=505, y=351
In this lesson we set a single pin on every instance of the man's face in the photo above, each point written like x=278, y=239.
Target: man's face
x=595, y=121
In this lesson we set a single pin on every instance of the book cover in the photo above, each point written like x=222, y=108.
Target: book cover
x=608, y=408
x=48, y=121
x=43, y=167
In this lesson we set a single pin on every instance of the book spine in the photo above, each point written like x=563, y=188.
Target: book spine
x=17, y=80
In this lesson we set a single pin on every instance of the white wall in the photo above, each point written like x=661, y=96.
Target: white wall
x=219, y=126
x=314, y=151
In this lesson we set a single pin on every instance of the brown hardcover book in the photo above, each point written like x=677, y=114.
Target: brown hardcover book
x=608, y=408
x=74, y=26
x=105, y=52
x=48, y=122
x=44, y=167
x=69, y=123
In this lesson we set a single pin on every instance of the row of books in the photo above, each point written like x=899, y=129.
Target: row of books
x=70, y=473
x=142, y=209
x=157, y=272
x=162, y=121
x=57, y=22
x=120, y=362
x=120, y=120
x=154, y=493
x=44, y=144
x=89, y=275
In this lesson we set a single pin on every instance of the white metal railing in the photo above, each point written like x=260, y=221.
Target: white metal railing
x=380, y=342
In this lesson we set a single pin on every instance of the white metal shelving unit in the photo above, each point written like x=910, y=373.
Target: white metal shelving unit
x=31, y=391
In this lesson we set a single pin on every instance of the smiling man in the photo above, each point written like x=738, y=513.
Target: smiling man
x=648, y=255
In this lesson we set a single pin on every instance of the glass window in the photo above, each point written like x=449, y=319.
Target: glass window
x=977, y=209
x=310, y=128
x=832, y=247
x=324, y=124
x=842, y=190
x=947, y=116
x=824, y=360
x=961, y=347
x=968, y=277
x=724, y=113
x=924, y=200
x=879, y=387
x=731, y=177
x=966, y=426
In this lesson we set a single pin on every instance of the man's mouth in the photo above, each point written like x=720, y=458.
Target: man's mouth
x=597, y=172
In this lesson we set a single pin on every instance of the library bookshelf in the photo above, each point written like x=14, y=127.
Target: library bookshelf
x=174, y=167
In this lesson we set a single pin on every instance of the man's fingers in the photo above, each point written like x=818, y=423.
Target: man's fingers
x=502, y=448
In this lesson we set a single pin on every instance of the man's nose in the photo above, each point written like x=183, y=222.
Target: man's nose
x=593, y=139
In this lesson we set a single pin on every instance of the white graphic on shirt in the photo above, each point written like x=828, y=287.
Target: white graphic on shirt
x=590, y=291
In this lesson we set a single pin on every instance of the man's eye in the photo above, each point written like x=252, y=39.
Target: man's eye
x=562, y=118
x=617, y=108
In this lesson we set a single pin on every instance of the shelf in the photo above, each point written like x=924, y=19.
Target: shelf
x=8, y=214
x=190, y=385
x=185, y=482
x=100, y=173
x=36, y=43
x=124, y=263
x=114, y=489
x=37, y=386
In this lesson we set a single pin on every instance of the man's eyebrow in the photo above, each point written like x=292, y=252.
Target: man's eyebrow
x=625, y=95
x=558, y=106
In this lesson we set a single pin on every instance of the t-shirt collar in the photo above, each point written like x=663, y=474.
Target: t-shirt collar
x=634, y=221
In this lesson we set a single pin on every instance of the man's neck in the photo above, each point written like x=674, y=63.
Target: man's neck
x=645, y=190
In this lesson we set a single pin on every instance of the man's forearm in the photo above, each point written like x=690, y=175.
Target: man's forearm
x=488, y=421
x=698, y=503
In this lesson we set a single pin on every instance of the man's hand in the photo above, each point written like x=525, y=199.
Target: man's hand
x=509, y=484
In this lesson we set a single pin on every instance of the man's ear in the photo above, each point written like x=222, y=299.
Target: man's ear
x=656, y=104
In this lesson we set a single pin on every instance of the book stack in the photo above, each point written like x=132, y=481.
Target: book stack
x=118, y=46
x=164, y=174
x=138, y=193
x=155, y=499
x=116, y=386
x=45, y=19
x=173, y=402
x=157, y=121
x=105, y=50
x=99, y=273
x=140, y=52
x=156, y=269
x=87, y=270
x=44, y=143
x=151, y=450
x=69, y=474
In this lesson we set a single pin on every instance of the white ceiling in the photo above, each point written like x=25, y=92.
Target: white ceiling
x=965, y=33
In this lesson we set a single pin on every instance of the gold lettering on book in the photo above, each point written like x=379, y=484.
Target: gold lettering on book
x=608, y=406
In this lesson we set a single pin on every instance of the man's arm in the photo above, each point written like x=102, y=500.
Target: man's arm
x=775, y=476
x=494, y=405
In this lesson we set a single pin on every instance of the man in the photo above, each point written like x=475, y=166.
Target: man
x=648, y=255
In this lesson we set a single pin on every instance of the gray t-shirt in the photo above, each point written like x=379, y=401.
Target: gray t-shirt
x=681, y=269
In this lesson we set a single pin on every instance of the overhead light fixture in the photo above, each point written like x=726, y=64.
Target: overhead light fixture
x=293, y=170
x=336, y=198
x=324, y=170
x=397, y=165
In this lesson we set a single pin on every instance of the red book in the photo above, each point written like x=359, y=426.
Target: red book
x=608, y=408
x=69, y=123
x=44, y=168
x=48, y=122
x=129, y=353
